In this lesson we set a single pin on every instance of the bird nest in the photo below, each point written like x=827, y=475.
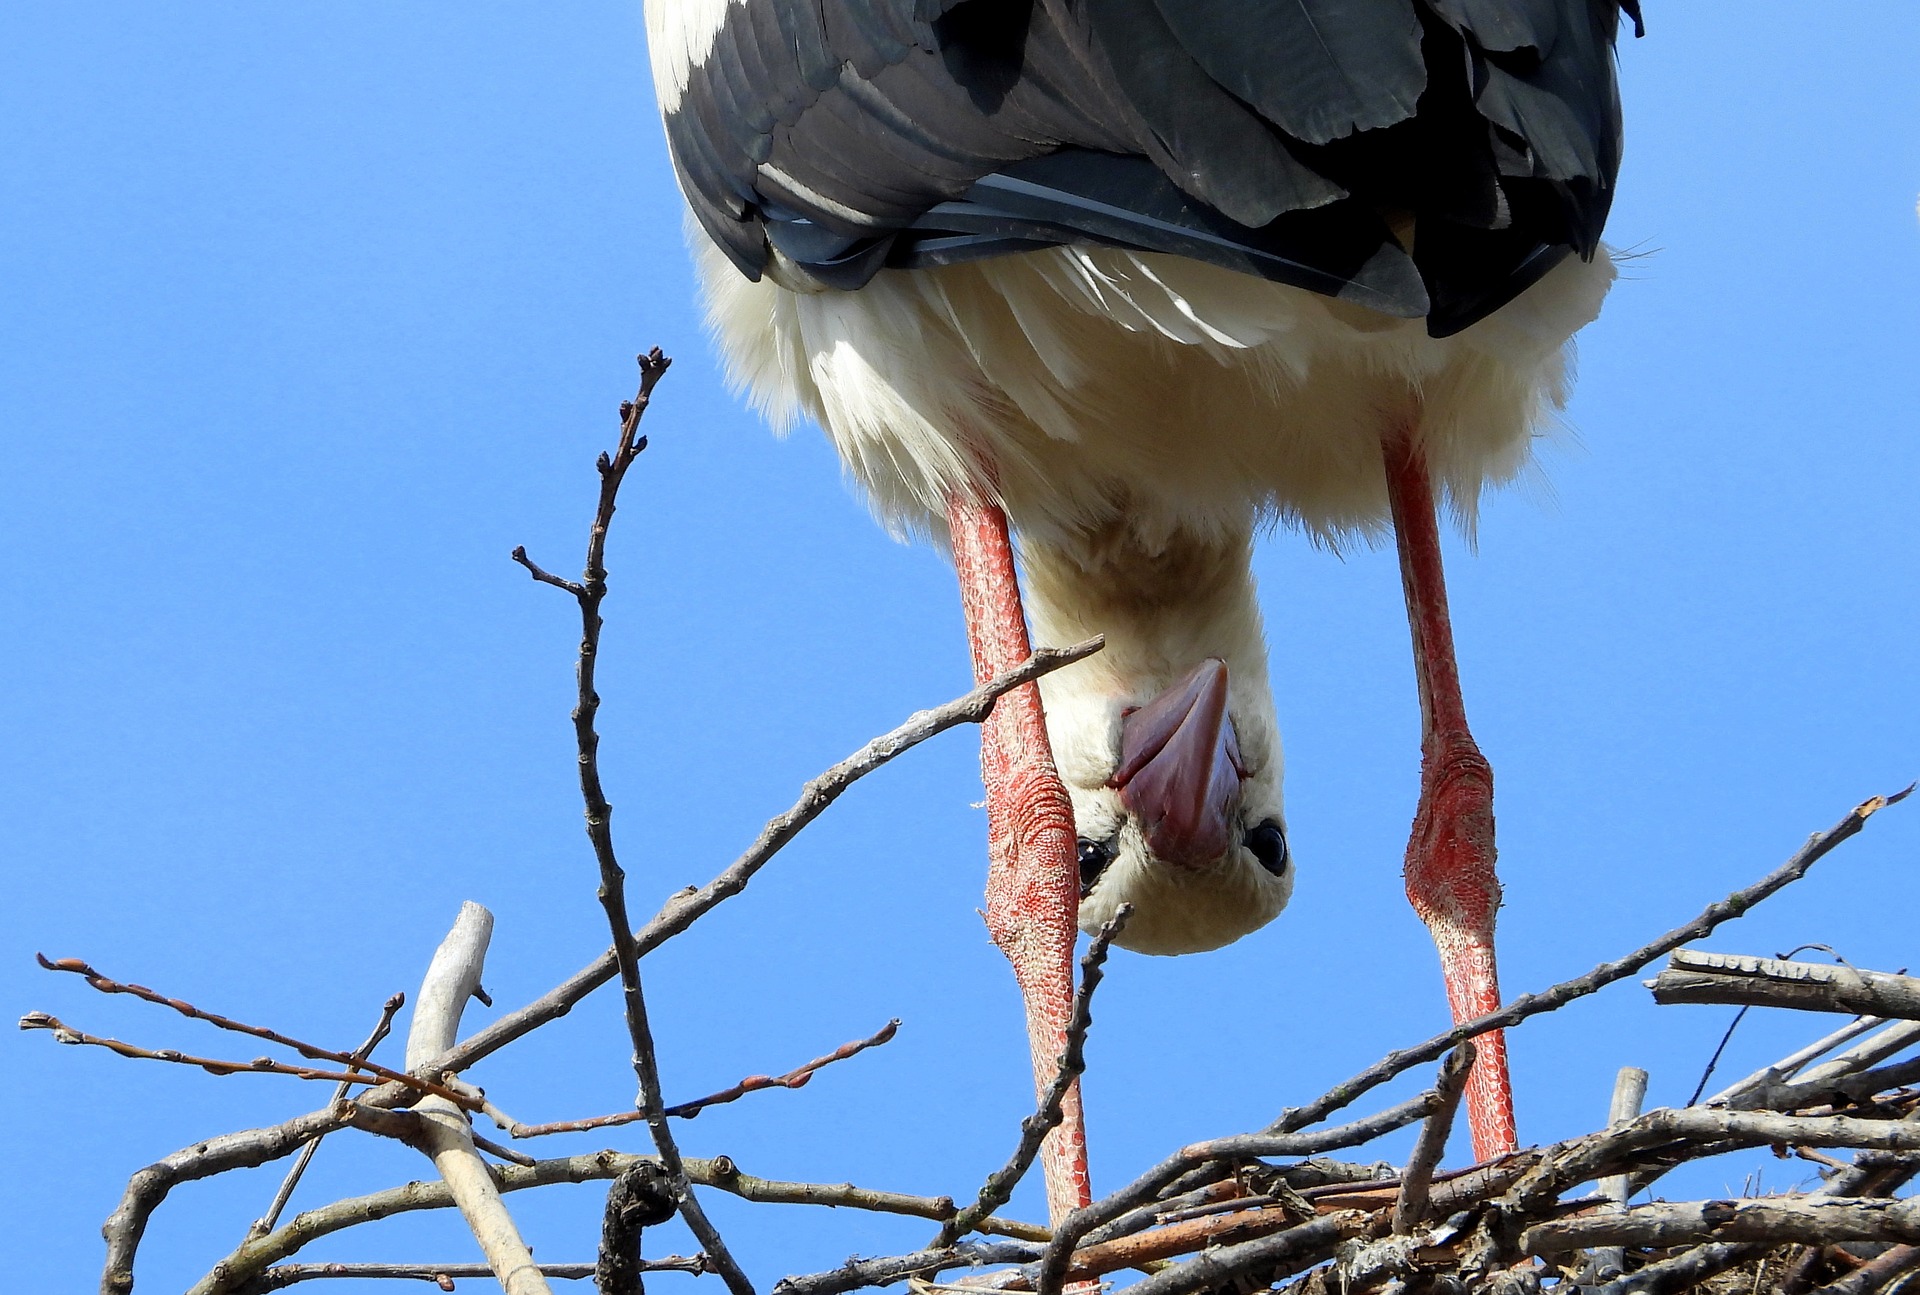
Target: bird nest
x=1282, y=1207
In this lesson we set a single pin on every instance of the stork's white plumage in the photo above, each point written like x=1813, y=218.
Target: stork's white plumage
x=1133, y=276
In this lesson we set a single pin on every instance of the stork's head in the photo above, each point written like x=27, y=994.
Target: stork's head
x=1176, y=798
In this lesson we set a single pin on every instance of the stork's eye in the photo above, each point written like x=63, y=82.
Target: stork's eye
x=1268, y=844
x=1094, y=858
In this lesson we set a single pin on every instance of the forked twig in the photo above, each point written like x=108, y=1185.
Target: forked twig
x=64, y=1033
x=589, y=593
x=311, y=1051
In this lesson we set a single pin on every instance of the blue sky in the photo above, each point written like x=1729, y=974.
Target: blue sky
x=309, y=315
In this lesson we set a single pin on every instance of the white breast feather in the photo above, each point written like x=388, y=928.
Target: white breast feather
x=1098, y=381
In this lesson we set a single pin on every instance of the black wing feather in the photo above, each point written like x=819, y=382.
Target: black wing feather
x=1281, y=138
x=1318, y=69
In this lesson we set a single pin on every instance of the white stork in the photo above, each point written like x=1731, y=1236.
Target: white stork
x=1116, y=281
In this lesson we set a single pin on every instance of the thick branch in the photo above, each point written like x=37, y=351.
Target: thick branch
x=450, y=981
x=1415, y=1180
x=1772, y=1219
x=1693, y=977
x=1267, y=1259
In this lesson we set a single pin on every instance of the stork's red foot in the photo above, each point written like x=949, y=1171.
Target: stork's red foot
x=1453, y=887
x=1033, y=877
x=1450, y=855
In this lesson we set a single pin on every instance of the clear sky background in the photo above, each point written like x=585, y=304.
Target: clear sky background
x=309, y=314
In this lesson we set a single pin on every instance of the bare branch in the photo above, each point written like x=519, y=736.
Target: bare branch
x=858, y=1273
x=545, y=576
x=1771, y=1219
x=231, y=1274
x=1411, y=1206
x=1790, y=1065
x=1271, y=1258
x=443, y=1131
x=998, y=1189
x=1686, y=1269
x=590, y=593
x=1629, y=1097
x=1838, y=1088
x=147, y=1188
x=1694, y=977
x=796, y=1078
x=1894, y=1262
x=443, y=1275
x=1180, y=1238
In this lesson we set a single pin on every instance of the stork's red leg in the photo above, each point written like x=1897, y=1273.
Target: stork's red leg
x=1450, y=874
x=1033, y=877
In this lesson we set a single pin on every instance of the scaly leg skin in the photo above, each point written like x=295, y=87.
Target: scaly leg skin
x=1450, y=856
x=1033, y=874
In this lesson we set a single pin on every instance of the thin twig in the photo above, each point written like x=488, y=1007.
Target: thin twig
x=1081, y=1221
x=795, y=1078
x=1713, y=1062
x=1411, y=1205
x=443, y=1275
x=998, y=1189
x=271, y=1219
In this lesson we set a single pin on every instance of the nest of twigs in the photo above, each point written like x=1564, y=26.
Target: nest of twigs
x=1581, y=1213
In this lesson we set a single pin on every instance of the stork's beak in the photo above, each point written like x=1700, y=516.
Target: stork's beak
x=1180, y=770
